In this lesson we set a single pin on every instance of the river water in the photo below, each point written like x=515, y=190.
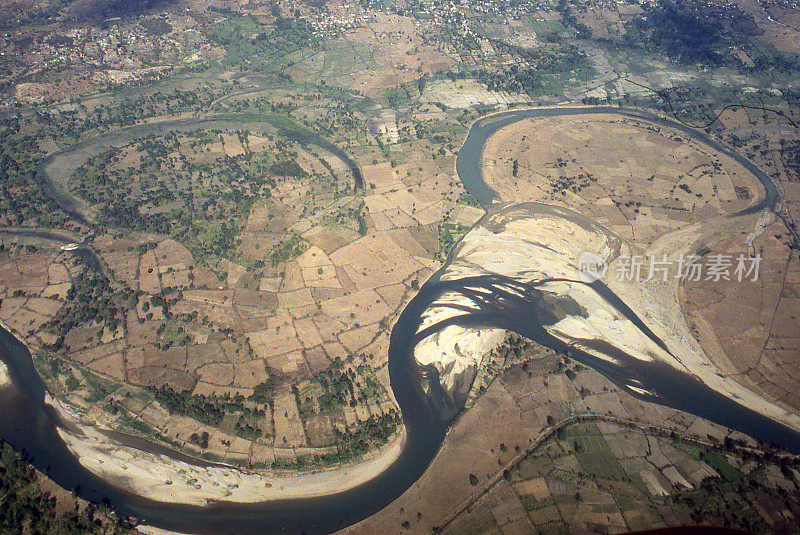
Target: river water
x=469, y=156
x=30, y=425
x=54, y=173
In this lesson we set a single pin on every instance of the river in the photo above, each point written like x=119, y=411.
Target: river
x=54, y=173
x=30, y=425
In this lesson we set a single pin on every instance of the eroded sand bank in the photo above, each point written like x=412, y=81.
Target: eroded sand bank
x=164, y=479
x=5, y=379
x=536, y=245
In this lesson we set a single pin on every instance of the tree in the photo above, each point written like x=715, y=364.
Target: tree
x=473, y=479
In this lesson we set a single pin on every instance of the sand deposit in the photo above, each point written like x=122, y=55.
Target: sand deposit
x=5, y=380
x=165, y=479
x=535, y=243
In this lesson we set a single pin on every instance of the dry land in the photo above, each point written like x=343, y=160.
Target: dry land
x=536, y=437
x=598, y=167
x=247, y=290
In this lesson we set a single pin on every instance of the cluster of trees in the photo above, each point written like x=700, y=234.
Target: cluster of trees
x=208, y=214
x=21, y=197
x=676, y=29
x=543, y=70
x=156, y=26
x=24, y=508
x=338, y=385
x=287, y=167
x=448, y=234
x=372, y=433
x=246, y=43
x=774, y=60
x=123, y=212
x=362, y=221
x=91, y=299
x=347, y=386
x=91, y=181
x=200, y=439
x=369, y=386
x=569, y=183
x=569, y=19
x=206, y=409
x=790, y=154
x=248, y=431
x=201, y=408
x=288, y=249
x=263, y=392
x=127, y=111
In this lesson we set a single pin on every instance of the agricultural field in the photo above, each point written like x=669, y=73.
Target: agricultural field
x=597, y=473
x=552, y=445
x=748, y=327
x=149, y=362
x=637, y=179
x=248, y=288
x=260, y=188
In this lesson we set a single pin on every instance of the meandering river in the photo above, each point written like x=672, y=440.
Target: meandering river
x=31, y=425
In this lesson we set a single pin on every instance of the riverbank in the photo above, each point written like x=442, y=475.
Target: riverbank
x=5, y=379
x=56, y=171
x=525, y=257
x=169, y=480
x=164, y=479
x=722, y=211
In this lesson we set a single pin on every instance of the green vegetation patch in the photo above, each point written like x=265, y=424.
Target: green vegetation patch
x=199, y=201
x=677, y=30
x=341, y=386
x=206, y=409
x=176, y=332
x=449, y=234
x=480, y=520
x=98, y=387
x=249, y=44
x=156, y=26
x=21, y=196
x=545, y=70
x=24, y=508
x=718, y=462
x=287, y=168
x=693, y=448
x=373, y=433
x=90, y=300
x=288, y=249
